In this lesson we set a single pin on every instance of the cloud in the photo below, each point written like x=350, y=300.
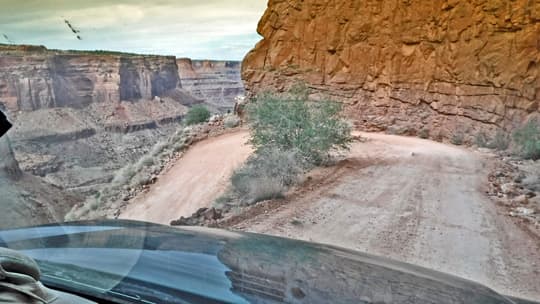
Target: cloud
x=214, y=29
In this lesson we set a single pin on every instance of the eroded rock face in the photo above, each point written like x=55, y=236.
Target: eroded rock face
x=38, y=79
x=216, y=82
x=446, y=66
x=80, y=116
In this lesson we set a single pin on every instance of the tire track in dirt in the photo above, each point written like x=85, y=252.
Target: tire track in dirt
x=412, y=200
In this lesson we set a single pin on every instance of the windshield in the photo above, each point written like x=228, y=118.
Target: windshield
x=405, y=130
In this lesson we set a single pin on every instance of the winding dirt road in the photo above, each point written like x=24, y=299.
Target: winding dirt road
x=405, y=198
x=412, y=200
x=194, y=181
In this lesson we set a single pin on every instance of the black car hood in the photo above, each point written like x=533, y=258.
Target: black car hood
x=136, y=262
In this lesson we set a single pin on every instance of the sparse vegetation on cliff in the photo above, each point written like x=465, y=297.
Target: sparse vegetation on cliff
x=499, y=142
x=457, y=138
x=527, y=139
x=197, y=114
x=132, y=176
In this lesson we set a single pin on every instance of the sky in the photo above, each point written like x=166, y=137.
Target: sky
x=198, y=29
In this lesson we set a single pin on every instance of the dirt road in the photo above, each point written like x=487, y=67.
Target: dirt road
x=412, y=200
x=195, y=181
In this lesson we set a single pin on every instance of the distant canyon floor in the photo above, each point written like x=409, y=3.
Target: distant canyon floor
x=405, y=198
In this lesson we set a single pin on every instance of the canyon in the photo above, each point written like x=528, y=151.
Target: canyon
x=447, y=68
x=80, y=116
x=216, y=82
x=84, y=120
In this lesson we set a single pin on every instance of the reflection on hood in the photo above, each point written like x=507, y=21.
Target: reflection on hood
x=5, y=125
x=160, y=264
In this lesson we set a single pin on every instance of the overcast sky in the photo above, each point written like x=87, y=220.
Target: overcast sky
x=199, y=29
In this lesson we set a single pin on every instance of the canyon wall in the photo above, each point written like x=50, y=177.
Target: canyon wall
x=216, y=82
x=80, y=116
x=445, y=66
x=38, y=78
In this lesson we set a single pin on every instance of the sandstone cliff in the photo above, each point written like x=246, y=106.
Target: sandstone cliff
x=36, y=79
x=216, y=82
x=445, y=65
x=79, y=116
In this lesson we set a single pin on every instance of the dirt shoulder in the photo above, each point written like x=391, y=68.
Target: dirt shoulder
x=413, y=200
x=193, y=182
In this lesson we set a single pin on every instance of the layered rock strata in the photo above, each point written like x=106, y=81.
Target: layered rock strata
x=448, y=67
x=79, y=116
x=216, y=82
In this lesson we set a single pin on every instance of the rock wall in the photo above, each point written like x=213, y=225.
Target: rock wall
x=446, y=66
x=38, y=78
x=216, y=82
x=80, y=116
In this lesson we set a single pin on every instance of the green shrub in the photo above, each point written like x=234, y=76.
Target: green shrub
x=147, y=160
x=223, y=200
x=290, y=135
x=124, y=175
x=457, y=138
x=527, y=140
x=500, y=142
x=423, y=133
x=197, y=114
x=481, y=140
x=290, y=122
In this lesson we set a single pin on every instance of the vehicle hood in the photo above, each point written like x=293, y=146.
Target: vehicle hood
x=137, y=262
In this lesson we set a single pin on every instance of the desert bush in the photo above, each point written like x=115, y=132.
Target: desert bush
x=290, y=122
x=266, y=188
x=224, y=200
x=124, y=175
x=400, y=130
x=500, y=142
x=147, y=160
x=457, y=138
x=178, y=146
x=197, y=114
x=481, y=140
x=140, y=180
x=290, y=134
x=527, y=140
x=158, y=148
x=231, y=121
x=267, y=174
x=423, y=133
